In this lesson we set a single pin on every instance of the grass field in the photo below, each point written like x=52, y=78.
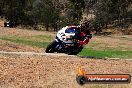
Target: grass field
x=98, y=47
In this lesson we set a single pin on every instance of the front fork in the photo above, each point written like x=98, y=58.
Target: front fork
x=59, y=47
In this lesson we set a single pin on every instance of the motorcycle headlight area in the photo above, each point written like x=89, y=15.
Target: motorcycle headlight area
x=68, y=40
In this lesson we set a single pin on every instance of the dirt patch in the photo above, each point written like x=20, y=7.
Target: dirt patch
x=56, y=71
x=14, y=47
x=112, y=42
x=1, y=23
x=21, y=32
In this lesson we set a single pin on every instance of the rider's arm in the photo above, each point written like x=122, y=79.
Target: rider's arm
x=86, y=38
x=84, y=42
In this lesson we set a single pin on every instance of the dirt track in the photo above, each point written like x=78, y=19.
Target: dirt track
x=55, y=71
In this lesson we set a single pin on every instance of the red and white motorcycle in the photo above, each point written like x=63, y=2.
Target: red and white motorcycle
x=68, y=41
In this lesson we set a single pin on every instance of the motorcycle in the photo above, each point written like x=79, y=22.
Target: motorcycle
x=66, y=41
x=9, y=24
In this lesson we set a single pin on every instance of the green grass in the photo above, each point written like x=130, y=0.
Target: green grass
x=39, y=38
x=40, y=41
x=27, y=42
x=43, y=38
x=106, y=53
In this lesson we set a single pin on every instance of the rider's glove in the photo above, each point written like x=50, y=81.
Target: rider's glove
x=84, y=42
x=81, y=43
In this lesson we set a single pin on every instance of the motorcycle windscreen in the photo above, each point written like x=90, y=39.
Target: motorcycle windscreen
x=70, y=30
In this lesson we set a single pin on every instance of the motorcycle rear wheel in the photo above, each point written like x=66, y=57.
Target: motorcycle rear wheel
x=76, y=51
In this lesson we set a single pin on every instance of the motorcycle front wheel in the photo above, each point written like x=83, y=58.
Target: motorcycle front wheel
x=51, y=47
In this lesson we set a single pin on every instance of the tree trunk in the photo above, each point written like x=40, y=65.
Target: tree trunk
x=55, y=27
x=106, y=25
x=47, y=27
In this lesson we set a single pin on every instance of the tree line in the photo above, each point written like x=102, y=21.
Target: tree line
x=113, y=13
x=54, y=14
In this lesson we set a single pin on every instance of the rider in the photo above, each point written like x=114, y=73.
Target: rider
x=82, y=33
x=85, y=34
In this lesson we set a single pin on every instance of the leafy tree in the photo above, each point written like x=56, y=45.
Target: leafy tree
x=58, y=13
x=110, y=12
x=74, y=12
x=45, y=13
